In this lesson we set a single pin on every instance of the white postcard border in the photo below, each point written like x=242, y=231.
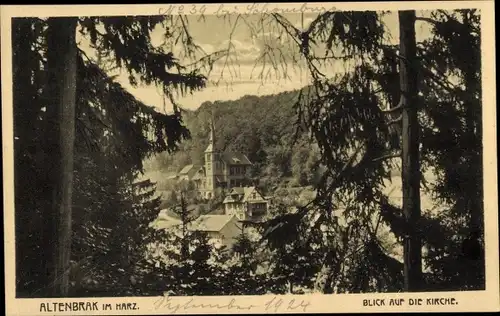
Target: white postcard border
x=488, y=300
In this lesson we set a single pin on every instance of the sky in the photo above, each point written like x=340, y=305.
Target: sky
x=238, y=75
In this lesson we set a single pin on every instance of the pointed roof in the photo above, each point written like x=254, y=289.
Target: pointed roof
x=211, y=140
x=210, y=148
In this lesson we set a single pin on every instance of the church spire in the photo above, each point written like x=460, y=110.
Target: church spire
x=211, y=140
x=212, y=131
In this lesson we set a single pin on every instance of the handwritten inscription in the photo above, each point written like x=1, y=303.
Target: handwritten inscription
x=168, y=303
x=254, y=8
x=273, y=305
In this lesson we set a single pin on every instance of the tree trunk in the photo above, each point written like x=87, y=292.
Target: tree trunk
x=410, y=152
x=474, y=134
x=25, y=113
x=185, y=221
x=475, y=269
x=62, y=54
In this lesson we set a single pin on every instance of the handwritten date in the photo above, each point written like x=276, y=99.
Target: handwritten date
x=274, y=305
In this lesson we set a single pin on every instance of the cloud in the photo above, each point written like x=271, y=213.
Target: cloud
x=243, y=52
x=229, y=88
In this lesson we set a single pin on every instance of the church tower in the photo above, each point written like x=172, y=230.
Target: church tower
x=212, y=164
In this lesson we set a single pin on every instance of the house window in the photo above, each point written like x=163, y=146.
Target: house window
x=254, y=195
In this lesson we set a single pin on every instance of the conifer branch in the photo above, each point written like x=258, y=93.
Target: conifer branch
x=396, y=108
x=388, y=156
x=396, y=120
x=424, y=19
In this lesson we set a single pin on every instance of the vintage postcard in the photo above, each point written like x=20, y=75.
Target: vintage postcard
x=250, y=158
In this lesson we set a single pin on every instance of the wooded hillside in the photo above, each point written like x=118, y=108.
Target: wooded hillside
x=263, y=128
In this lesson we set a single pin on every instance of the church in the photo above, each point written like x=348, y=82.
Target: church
x=221, y=170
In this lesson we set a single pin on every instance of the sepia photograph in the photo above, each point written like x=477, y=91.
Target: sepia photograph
x=248, y=150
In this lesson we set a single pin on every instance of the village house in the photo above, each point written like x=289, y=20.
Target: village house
x=246, y=203
x=224, y=170
x=188, y=172
x=222, y=230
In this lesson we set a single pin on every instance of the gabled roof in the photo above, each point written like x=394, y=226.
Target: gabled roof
x=189, y=170
x=242, y=194
x=238, y=159
x=199, y=174
x=165, y=224
x=237, y=190
x=210, y=223
x=165, y=220
x=236, y=194
x=172, y=176
x=248, y=191
x=193, y=171
x=186, y=169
